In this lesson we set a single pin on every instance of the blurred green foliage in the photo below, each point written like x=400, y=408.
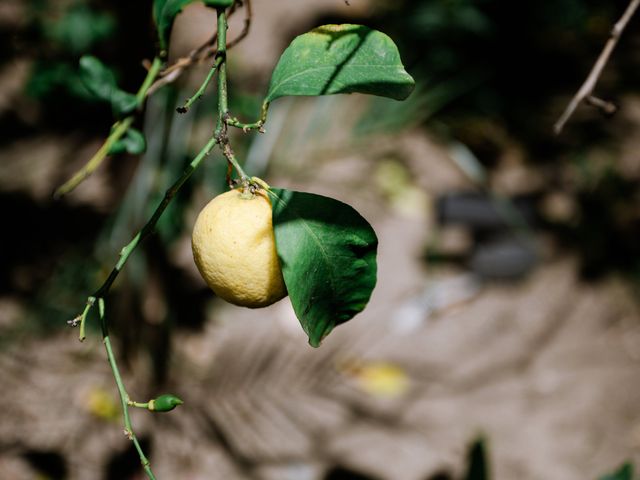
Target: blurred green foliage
x=67, y=34
x=54, y=37
x=100, y=81
x=625, y=472
x=49, y=78
x=79, y=28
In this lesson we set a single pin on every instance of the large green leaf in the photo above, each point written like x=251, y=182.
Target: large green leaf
x=101, y=83
x=165, y=12
x=341, y=59
x=327, y=252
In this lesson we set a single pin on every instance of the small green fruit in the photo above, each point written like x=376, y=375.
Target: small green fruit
x=164, y=403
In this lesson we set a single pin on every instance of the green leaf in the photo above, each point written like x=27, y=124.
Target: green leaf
x=625, y=472
x=97, y=77
x=327, y=252
x=341, y=59
x=79, y=28
x=123, y=103
x=165, y=12
x=101, y=83
x=133, y=142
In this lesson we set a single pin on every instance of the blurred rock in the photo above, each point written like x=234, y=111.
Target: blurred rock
x=479, y=211
x=504, y=258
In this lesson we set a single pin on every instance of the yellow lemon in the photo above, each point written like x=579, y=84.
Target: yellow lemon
x=234, y=249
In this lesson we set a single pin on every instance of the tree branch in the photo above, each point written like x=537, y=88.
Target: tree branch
x=220, y=138
x=139, y=237
x=585, y=92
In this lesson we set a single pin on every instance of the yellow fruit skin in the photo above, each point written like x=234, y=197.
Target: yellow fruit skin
x=234, y=249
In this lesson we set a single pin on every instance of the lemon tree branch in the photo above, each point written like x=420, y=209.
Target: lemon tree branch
x=147, y=230
x=257, y=125
x=100, y=294
x=220, y=138
x=221, y=133
x=185, y=108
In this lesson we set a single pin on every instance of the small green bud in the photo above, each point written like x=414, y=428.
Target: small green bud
x=164, y=403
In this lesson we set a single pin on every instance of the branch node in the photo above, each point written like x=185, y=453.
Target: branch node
x=584, y=94
x=605, y=106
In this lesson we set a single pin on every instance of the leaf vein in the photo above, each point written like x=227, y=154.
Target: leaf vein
x=313, y=69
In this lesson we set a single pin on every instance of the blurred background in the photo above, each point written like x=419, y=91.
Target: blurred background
x=503, y=338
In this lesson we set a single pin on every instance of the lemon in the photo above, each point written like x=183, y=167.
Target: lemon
x=234, y=249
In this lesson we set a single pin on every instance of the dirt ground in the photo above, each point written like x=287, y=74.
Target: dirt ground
x=546, y=370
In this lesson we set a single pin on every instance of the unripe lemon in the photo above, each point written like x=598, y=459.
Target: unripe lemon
x=234, y=249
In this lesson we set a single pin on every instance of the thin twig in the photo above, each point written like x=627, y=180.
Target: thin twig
x=605, y=106
x=139, y=237
x=221, y=132
x=588, y=86
x=257, y=125
x=151, y=223
x=117, y=132
x=185, y=108
x=247, y=25
x=122, y=392
x=202, y=53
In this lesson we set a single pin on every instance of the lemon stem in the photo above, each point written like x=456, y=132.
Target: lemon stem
x=224, y=118
x=221, y=56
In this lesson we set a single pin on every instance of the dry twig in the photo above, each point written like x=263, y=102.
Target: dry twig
x=585, y=94
x=204, y=52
